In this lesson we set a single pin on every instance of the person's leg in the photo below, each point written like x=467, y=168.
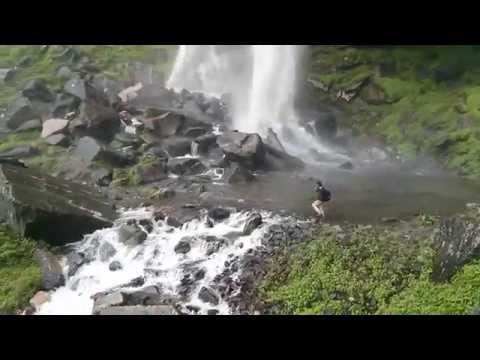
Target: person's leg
x=316, y=206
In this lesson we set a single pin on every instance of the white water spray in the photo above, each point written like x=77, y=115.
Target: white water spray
x=262, y=81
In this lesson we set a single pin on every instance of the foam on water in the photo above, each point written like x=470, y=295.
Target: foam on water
x=155, y=259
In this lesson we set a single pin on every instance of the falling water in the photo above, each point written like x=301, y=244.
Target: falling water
x=262, y=81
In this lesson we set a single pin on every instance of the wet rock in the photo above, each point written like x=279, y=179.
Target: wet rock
x=108, y=87
x=273, y=140
x=147, y=225
x=128, y=139
x=212, y=312
x=219, y=214
x=173, y=222
x=208, y=296
x=39, y=299
x=151, y=171
x=247, y=149
x=115, y=266
x=7, y=75
x=253, y=222
x=106, y=251
x=19, y=112
x=64, y=104
x=205, y=143
x=65, y=73
x=280, y=160
x=347, y=166
x=161, y=310
x=76, y=87
x=52, y=274
x=214, y=244
x=119, y=157
x=102, y=176
x=236, y=173
x=457, y=242
x=165, y=125
x=74, y=262
x=54, y=126
x=20, y=152
x=88, y=149
x=177, y=146
x=102, y=302
x=38, y=90
x=99, y=117
x=131, y=235
x=30, y=125
x=163, y=193
x=182, y=247
x=194, y=132
x=187, y=166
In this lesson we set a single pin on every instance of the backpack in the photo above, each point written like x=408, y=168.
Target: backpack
x=325, y=195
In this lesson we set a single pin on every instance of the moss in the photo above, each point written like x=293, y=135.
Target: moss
x=473, y=101
x=396, y=89
x=20, y=276
x=358, y=277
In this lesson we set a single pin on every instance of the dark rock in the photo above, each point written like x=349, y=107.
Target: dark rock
x=373, y=94
x=212, y=312
x=214, y=244
x=273, y=140
x=247, y=149
x=74, y=262
x=102, y=176
x=253, y=222
x=219, y=214
x=52, y=274
x=165, y=125
x=158, y=152
x=13, y=162
x=161, y=310
x=177, y=146
x=106, y=251
x=30, y=125
x=131, y=235
x=19, y=112
x=38, y=90
x=448, y=73
x=151, y=171
x=194, y=132
x=389, y=219
x=182, y=247
x=120, y=157
x=20, y=152
x=64, y=104
x=7, y=75
x=128, y=139
x=115, y=266
x=347, y=166
x=147, y=225
x=186, y=166
x=58, y=140
x=173, y=222
x=279, y=160
x=77, y=88
x=208, y=296
x=44, y=207
x=457, y=242
x=109, y=88
x=99, y=117
x=206, y=143
x=236, y=173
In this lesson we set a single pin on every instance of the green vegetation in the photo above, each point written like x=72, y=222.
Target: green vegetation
x=20, y=276
x=368, y=271
x=421, y=99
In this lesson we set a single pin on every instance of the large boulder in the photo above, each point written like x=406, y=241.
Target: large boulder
x=76, y=87
x=19, y=112
x=165, y=125
x=247, y=149
x=131, y=235
x=52, y=274
x=38, y=90
x=457, y=242
x=280, y=160
x=149, y=171
x=205, y=143
x=186, y=166
x=88, y=149
x=236, y=173
x=177, y=146
x=110, y=88
x=253, y=222
x=48, y=208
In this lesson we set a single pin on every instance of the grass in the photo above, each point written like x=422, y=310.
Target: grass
x=20, y=276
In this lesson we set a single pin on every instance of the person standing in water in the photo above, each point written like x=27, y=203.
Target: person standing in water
x=323, y=196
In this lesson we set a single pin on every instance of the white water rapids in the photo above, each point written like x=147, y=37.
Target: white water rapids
x=156, y=260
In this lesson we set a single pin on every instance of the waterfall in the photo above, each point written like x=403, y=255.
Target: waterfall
x=262, y=83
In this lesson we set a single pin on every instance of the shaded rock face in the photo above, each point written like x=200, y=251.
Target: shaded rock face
x=457, y=242
x=87, y=149
x=236, y=173
x=186, y=166
x=38, y=90
x=247, y=149
x=322, y=124
x=19, y=112
x=52, y=274
x=44, y=207
x=253, y=222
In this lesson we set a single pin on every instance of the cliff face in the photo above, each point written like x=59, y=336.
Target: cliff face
x=421, y=99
